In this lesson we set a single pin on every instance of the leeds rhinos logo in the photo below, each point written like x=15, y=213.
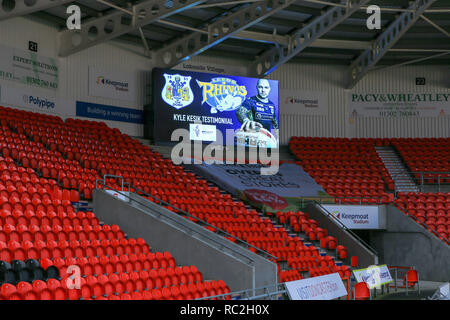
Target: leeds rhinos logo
x=177, y=91
x=222, y=94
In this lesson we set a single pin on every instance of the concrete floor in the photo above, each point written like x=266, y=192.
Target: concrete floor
x=427, y=289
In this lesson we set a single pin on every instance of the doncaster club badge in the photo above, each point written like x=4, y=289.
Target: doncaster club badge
x=177, y=91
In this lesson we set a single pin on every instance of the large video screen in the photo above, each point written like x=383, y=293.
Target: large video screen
x=212, y=107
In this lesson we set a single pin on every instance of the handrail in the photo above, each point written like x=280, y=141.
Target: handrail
x=247, y=291
x=332, y=199
x=428, y=172
x=168, y=217
x=264, y=253
x=419, y=177
x=423, y=224
x=343, y=226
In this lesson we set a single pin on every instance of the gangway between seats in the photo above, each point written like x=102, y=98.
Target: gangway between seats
x=189, y=242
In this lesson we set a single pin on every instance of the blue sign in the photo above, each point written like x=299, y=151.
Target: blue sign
x=104, y=112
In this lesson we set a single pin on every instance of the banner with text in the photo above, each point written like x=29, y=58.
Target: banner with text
x=36, y=100
x=374, y=276
x=212, y=68
x=104, y=112
x=112, y=85
x=325, y=287
x=312, y=103
x=354, y=216
x=28, y=68
x=399, y=105
x=283, y=191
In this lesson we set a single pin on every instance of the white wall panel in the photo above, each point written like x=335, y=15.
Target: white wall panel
x=326, y=78
x=403, y=80
x=73, y=70
x=315, y=78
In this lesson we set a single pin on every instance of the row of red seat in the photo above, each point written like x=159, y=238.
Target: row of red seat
x=109, y=288
x=344, y=168
x=44, y=231
x=435, y=215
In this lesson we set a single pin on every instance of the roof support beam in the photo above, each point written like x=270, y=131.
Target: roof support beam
x=413, y=61
x=369, y=58
x=22, y=7
x=385, y=9
x=219, y=30
x=273, y=58
x=435, y=25
x=113, y=25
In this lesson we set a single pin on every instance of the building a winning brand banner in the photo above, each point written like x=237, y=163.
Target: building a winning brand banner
x=283, y=191
x=399, y=105
x=204, y=102
x=105, y=112
x=28, y=68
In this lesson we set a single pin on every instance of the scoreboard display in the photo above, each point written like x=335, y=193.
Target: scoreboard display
x=215, y=108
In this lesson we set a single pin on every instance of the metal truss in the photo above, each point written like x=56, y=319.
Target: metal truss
x=369, y=58
x=118, y=23
x=216, y=32
x=22, y=7
x=273, y=58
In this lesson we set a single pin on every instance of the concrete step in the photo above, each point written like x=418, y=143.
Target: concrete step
x=399, y=173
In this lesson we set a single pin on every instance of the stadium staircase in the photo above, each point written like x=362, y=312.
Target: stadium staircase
x=314, y=261
x=402, y=179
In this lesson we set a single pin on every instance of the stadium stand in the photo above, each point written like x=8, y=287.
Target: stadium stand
x=349, y=170
x=67, y=158
x=435, y=166
x=41, y=178
x=431, y=210
x=48, y=165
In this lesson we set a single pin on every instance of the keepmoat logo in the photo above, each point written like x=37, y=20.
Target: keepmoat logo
x=118, y=85
x=37, y=101
x=355, y=218
x=308, y=103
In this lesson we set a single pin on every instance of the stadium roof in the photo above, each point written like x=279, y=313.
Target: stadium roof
x=175, y=30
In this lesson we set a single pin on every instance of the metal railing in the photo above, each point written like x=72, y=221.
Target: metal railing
x=345, y=200
x=186, y=214
x=401, y=273
x=344, y=227
x=279, y=291
x=422, y=178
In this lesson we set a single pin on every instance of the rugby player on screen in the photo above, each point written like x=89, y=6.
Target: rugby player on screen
x=258, y=111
